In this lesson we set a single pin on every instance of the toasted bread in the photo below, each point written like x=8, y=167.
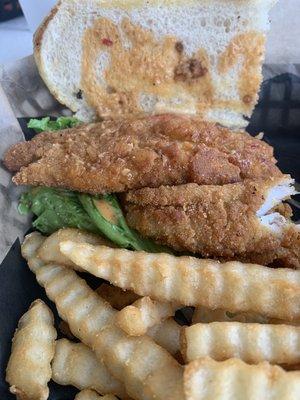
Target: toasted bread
x=113, y=58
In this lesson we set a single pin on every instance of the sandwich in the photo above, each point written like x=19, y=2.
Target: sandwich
x=156, y=157
x=183, y=183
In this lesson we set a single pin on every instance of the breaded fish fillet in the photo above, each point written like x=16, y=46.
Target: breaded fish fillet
x=114, y=156
x=243, y=221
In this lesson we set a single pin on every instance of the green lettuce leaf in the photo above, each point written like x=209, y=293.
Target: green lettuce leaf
x=45, y=124
x=115, y=227
x=57, y=208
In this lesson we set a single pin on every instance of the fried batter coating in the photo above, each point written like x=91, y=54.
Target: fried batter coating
x=233, y=221
x=114, y=156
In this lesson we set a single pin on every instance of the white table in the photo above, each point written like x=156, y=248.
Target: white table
x=15, y=40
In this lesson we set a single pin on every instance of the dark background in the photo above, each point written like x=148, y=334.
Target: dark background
x=9, y=9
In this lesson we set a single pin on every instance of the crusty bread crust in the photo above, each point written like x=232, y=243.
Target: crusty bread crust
x=37, y=43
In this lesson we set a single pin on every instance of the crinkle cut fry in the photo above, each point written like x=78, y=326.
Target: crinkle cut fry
x=88, y=394
x=206, y=379
x=144, y=313
x=167, y=335
x=250, y=342
x=190, y=281
x=76, y=364
x=148, y=371
x=27, y=373
x=142, y=365
x=204, y=314
x=49, y=251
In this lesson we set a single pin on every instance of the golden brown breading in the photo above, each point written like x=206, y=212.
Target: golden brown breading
x=215, y=221
x=114, y=156
x=286, y=254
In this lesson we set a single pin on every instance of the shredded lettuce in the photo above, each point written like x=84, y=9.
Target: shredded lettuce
x=57, y=208
x=45, y=124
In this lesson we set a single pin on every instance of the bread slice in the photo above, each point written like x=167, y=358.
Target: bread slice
x=110, y=58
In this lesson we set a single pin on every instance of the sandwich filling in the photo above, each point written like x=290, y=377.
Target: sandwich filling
x=245, y=221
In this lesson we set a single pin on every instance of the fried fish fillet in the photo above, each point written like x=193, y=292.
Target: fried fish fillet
x=245, y=221
x=114, y=156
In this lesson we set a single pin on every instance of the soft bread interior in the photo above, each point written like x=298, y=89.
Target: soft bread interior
x=117, y=57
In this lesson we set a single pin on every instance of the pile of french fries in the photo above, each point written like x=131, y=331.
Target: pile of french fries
x=243, y=342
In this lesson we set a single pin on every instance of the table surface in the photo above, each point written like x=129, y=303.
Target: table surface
x=15, y=40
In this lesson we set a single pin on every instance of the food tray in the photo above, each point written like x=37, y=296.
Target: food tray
x=277, y=114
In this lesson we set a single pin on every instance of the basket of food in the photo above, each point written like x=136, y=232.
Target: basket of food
x=148, y=245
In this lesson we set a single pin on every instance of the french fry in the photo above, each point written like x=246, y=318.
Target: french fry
x=31, y=244
x=146, y=369
x=115, y=296
x=88, y=394
x=252, y=343
x=49, y=251
x=206, y=315
x=234, y=286
x=29, y=371
x=76, y=364
x=206, y=379
x=167, y=335
x=29, y=248
x=139, y=363
x=144, y=313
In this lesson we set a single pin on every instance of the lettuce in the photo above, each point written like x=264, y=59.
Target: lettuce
x=45, y=124
x=115, y=227
x=57, y=208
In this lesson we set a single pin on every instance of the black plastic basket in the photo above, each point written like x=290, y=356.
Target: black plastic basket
x=277, y=114
x=9, y=9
